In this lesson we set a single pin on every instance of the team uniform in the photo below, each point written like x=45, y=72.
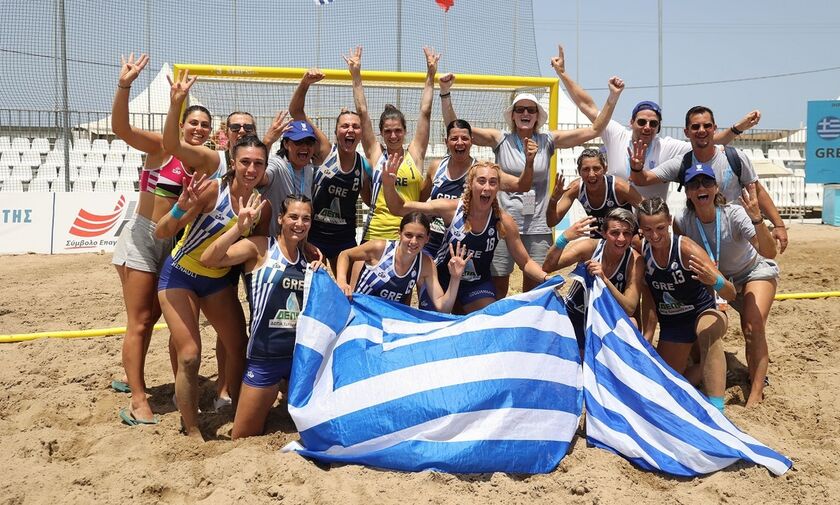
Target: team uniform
x=183, y=268
x=610, y=202
x=382, y=279
x=575, y=299
x=679, y=299
x=381, y=224
x=443, y=187
x=476, y=281
x=275, y=297
x=334, y=196
x=137, y=246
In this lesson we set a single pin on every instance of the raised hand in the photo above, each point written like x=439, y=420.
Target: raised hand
x=637, y=155
x=181, y=87
x=446, y=82
x=391, y=166
x=616, y=85
x=353, y=58
x=432, y=59
x=749, y=201
x=558, y=63
x=703, y=270
x=312, y=76
x=191, y=195
x=458, y=260
x=278, y=127
x=530, y=150
x=131, y=68
x=248, y=213
x=559, y=187
x=581, y=228
x=751, y=119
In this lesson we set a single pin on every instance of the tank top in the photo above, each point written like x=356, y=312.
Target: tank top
x=482, y=244
x=382, y=279
x=334, y=195
x=443, y=187
x=275, y=297
x=576, y=300
x=167, y=181
x=381, y=224
x=610, y=203
x=678, y=297
x=199, y=234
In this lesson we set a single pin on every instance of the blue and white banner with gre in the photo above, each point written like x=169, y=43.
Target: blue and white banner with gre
x=382, y=384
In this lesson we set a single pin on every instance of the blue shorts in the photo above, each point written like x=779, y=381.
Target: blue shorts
x=681, y=333
x=266, y=373
x=331, y=249
x=173, y=276
x=468, y=292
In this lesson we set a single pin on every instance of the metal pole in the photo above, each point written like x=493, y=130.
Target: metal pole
x=577, y=58
x=399, y=46
x=148, y=78
x=65, y=95
x=660, y=55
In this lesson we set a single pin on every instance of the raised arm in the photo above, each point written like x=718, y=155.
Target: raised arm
x=560, y=201
x=638, y=174
x=563, y=253
x=445, y=300
x=373, y=150
x=763, y=240
x=488, y=137
x=296, y=106
x=727, y=135
x=198, y=157
x=627, y=193
x=522, y=183
x=420, y=141
x=582, y=99
x=194, y=199
x=443, y=207
x=428, y=180
x=148, y=142
x=571, y=138
x=228, y=250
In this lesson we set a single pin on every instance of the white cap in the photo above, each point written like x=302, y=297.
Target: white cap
x=542, y=115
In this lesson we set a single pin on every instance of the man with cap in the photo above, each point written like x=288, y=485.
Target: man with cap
x=645, y=124
x=700, y=129
x=290, y=168
x=525, y=116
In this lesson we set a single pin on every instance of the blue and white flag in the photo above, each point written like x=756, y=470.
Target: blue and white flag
x=640, y=408
x=382, y=384
x=323, y=2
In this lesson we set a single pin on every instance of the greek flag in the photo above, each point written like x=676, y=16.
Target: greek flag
x=323, y=2
x=640, y=408
x=382, y=384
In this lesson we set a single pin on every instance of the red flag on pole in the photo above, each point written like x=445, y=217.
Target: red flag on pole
x=445, y=4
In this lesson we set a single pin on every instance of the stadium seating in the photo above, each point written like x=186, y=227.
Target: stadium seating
x=795, y=155
x=118, y=146
x=4, y=173
x=21, y=173
x=109, y=172
x=101, y=186
x=9, y=159
x=87, y=172
x=99, y=146
x=95, y=158
x=133, y=160
x=58, y=185
x=12, y=186
x=81, y=145
x=46, y=173
x=40, y=145
x=113, y=158
x=39, y=186
x=124, y=186
x=83, y=186
x=31, y=159
x=20, y=144
x=129, y=174
x=5, y=144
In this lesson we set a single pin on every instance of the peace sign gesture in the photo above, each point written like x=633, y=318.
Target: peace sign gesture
x=130, y=69
x=181, y=87
x=432, y=59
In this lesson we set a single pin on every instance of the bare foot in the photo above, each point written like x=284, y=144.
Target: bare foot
x=140, y=406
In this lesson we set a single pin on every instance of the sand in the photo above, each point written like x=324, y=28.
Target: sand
x=62, y=441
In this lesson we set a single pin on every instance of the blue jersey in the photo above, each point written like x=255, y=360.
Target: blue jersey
x=382, y=279
x=443, y=187
x=481, y=243
x=610, y=202
x=575, y=299
x=678, y=297
x=334, y=196
x=275, y=297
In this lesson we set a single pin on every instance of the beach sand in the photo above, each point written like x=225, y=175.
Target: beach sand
x=62, y=440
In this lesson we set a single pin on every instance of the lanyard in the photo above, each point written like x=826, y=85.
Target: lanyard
x=302, y=179
x=631, y=149
x=716, y=256
x=727, y=174
x=520, y=148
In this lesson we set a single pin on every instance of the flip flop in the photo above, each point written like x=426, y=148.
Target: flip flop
x=120, y=386
x=128, y=418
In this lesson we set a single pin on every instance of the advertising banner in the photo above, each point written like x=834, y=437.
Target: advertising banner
x=90, y=222
x=822, y=159
x=26, y=223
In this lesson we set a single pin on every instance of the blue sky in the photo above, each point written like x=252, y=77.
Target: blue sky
x=703, y=41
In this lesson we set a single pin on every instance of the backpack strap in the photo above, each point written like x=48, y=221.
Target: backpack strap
x=684, y=166
x=732, y=158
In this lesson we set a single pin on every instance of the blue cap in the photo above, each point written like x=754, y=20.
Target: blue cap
x=698, y=170
x=299, y=130
x=647, y=105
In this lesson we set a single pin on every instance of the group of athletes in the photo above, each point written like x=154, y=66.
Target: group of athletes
x=266, y=209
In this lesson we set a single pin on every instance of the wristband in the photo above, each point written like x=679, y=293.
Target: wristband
x=634, y=170
x=177, y=212
x=758, y=221
x=561, y=241
x=123, y=87
x=719, y=283
x=444, y=95
x=735, y=130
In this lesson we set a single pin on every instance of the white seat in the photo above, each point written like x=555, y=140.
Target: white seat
x=5, y=144
x=748, y=153
x=115, y=159
x=54, y=158
x=119, y=146
x=813, y=195
x=124, y=186
x=58, y=185
x=12, y=186
x=40, y=145
x=4, y=173
x=9, y=159
x=83, y=187
x=109, y=173
x=576, y=151
x=46, y=173
x=31, y=158
x=759, y=154
x=93, y=158
x=77, y=159
x=99, y=146
x=88, y=173
x=133, y=160
x=784, y=154
x=20, y=144
x=130, y=174
x=795, y=155
x=21, y=173
x=39, y=186
x=81, y=145
x=101, y=186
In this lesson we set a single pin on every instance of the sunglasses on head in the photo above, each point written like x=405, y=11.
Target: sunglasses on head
x=706, y=182
x=235, y=127
x=522, y=108
x=642, y=122
x=696, y=126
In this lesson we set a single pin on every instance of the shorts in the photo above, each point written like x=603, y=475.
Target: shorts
x=330, y=249
x=536, y=245
x=763, y=270
x=173, y=276
x=266, y=373
x=468, y=292
x=138, y=249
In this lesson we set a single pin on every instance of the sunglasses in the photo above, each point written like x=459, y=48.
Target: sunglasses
x=695, y=183
x=521, y=109
x=235, y=127
x=696, y=126
x=308, y=141
x=644, y=122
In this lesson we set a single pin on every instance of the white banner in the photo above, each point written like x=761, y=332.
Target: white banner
x=26, y=222
x=90, y=222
